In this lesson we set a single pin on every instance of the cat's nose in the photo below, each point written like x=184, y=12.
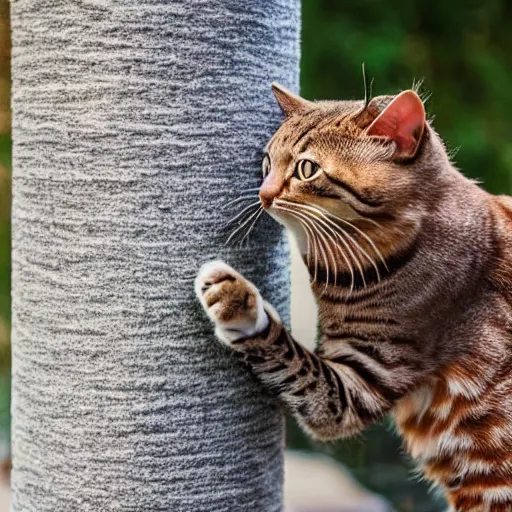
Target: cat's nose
x=269, y=190
x=266, y=199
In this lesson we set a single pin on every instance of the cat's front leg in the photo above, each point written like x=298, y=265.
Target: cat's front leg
x=329, y=399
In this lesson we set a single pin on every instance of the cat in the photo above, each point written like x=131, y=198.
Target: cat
x=411, y=268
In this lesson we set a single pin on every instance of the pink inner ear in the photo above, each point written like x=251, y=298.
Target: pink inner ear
x=403, y=121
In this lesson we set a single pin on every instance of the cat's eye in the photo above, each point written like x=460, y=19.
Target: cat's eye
x=306, y=170
x=265, y=166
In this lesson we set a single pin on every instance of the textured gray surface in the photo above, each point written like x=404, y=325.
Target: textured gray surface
x=133, y=122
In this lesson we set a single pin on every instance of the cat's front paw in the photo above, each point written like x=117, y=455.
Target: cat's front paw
x=232, y=303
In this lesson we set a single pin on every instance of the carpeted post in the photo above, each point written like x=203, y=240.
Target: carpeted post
x=133, y=122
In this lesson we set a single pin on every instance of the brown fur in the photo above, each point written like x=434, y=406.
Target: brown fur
x=425, y=334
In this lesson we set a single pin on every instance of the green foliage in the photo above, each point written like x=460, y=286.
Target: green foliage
x=460, y=49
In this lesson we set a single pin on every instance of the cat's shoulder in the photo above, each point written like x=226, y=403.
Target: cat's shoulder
x=504, y=207
x=501, y=209
x=500, y=271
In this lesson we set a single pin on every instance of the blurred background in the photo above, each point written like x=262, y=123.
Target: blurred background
x=5, y=234
x=462, y=51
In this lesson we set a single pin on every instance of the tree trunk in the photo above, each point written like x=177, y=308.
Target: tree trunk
x=133, y=122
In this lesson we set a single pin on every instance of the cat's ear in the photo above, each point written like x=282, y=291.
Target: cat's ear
x=290, y=103
x=402, y=121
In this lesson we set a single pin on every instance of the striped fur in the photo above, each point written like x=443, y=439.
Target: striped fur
x=423, y=332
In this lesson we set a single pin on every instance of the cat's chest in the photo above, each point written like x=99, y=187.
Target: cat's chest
x=428, y=420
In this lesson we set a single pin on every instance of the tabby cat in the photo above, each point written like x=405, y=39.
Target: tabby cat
x=411, y=267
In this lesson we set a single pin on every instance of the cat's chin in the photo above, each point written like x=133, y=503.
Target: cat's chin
x=293, y=227
x=278, y=217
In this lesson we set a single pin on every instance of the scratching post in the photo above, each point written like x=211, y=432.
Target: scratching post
x=134, y=121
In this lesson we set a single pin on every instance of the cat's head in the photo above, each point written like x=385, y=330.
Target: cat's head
x=374, y=166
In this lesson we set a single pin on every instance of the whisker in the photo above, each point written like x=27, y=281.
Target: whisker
x=365, y=219
x=356, y=260
x=362, y=251
x=358, y=219
x=254, y=189
x=362, y=233
x=328, y=246
x=340, y=233
x=237, y=200
x=321, y=243
x=357, y=245
x=312, y=245
x=369, y=240
x=241, y=226
x=251, y=227
x=324, y=244
x=323, y=226
x=308, y=238
x=307, y=229
x=239, y=215
x=308, y=232
x=315, y=249
x=325, y=258
x=335, y=264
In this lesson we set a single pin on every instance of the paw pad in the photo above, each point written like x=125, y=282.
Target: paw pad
x=232, y=302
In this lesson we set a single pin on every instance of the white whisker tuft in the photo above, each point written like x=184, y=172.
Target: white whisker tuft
x=325, y=234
